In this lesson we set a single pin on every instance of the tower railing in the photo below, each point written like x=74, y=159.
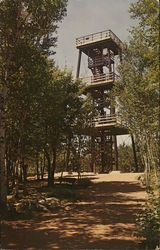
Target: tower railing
x=104, y=120
x=107, y=34
x=100, y=78
x=107, y=120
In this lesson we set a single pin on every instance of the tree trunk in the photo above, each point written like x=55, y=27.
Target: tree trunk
x=8, y=164
x=43, y=164
x=16, y=187
x=63, y=168
x=17, y=167
x=3, y=170
x=25, y=166
x=25, y=173
x=68, y=153
x=21, y=173
x=13, y=176
x=53, y=167
x=37, y=169
x=48, y=167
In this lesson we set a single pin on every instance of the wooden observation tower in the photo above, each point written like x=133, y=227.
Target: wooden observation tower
x=102, y=49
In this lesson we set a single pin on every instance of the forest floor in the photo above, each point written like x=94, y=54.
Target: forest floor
x=99, y=215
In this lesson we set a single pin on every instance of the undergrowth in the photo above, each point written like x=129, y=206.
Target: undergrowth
x=148, y=222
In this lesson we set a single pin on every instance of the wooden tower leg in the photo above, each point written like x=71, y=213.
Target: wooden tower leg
x=115, y=152
x=93, y=167
x=102, y=153
x=134, y=153
x=79, y=64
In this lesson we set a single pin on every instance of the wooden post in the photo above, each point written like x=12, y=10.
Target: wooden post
x=134, y=153
x=79, y=64
x=113, y=69
x=120, y=56
x=93, y=169
x=114, y=143
x=109, y=57
x=102, y=152
x=116, y=152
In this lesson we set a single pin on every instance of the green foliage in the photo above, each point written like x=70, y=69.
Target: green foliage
x=126, y=159
x=148, y=222
x=138, y=86
x=138, y=102
x=44, y=105
x=27, y=37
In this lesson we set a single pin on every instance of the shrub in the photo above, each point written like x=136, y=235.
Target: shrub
x=148, y=222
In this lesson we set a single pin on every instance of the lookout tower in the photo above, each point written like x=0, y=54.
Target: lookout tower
x=101, y=50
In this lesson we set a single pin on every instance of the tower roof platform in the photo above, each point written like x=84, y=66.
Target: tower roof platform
x=103, y=39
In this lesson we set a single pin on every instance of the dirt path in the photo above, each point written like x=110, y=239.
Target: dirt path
x=103, y=220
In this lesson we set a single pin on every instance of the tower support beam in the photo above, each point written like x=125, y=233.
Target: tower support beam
x=134, y=152
x=115, y=152
x=93, y=167
x=102, y=153
x=79, y=63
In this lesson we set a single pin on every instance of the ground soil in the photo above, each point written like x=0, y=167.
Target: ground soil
x=103, y=219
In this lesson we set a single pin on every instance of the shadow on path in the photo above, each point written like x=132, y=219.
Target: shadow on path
x=104, y=219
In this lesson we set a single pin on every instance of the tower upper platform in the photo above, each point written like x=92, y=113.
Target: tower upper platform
x=103, y=39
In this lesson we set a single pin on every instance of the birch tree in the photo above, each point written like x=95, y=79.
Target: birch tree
x=137, y=89
x=24, y=25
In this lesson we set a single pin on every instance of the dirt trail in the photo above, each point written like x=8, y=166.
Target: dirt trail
x=103, y=220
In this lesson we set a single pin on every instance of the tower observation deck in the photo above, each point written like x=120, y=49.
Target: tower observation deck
x=101, y=50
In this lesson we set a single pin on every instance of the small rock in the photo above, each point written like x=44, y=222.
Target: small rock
x=52, y=199
x=43, y=208
x=42, y=202
x=17, y=204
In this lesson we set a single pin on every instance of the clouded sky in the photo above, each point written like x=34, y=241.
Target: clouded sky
x=85, y=17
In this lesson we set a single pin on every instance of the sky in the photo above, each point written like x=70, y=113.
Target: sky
x=85, y=17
